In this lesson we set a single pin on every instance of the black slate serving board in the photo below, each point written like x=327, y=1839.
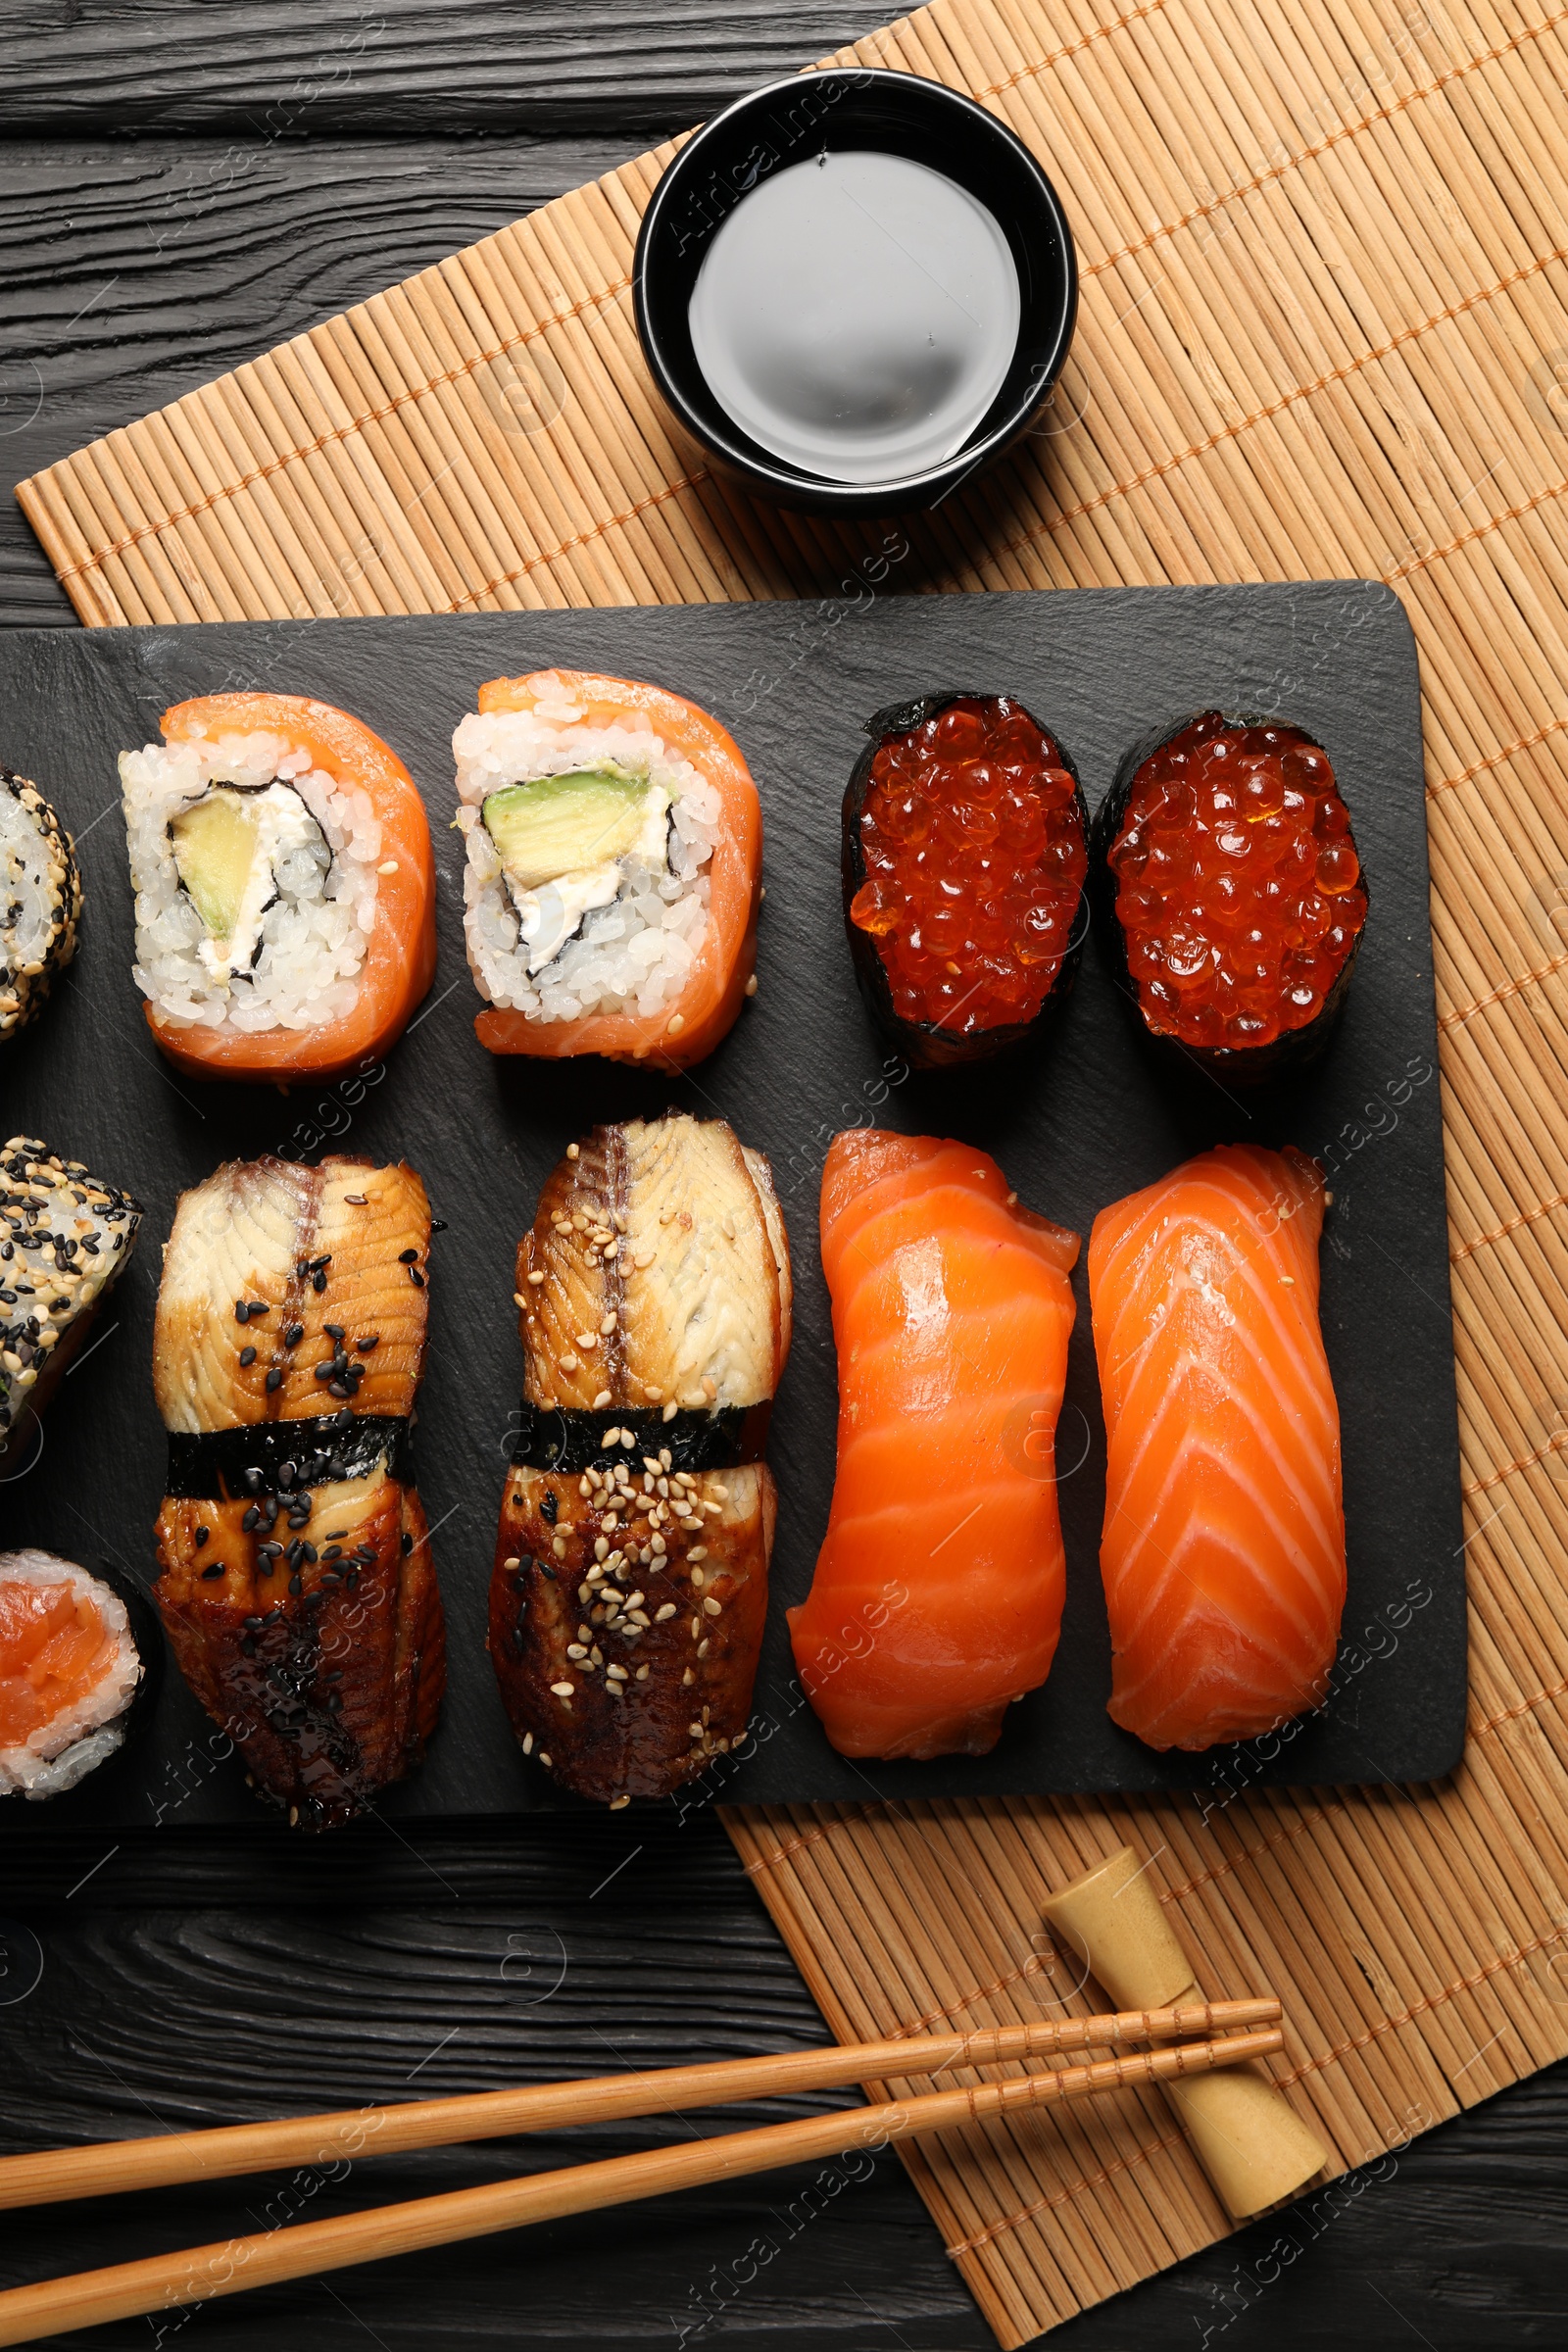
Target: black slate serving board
x=1076, y=1122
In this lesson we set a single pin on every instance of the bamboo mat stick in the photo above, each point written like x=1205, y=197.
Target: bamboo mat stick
x=129, y=2289
x=113, y=2165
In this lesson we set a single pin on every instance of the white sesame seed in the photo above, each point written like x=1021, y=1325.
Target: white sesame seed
x=600, y=1548
x=587, y=1341
x=697, y=1579
x=644, y=1257
x=517, y=1298
x=697, y=1551
x=702, y=1650
x=697, y=1628
x=670, y=1411
x=527, y=1743
x=751, y=984
x=563, y=1689
x=616, y=1674
x=576, y=1649
x=536, y=1280
x=721, y=1494
x=572, y=1150
x=642, y=1674
x=616, y=1804
x=713, y=1608
x=601, y=1401
x=568, y=1363
x=558, y=1547
x=512, y=1562
x=666, y=1611
x=607, y=1324
x=687, y=1678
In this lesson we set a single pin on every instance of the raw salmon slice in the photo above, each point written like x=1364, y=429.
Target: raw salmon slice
x=1223, y=1547
x=938, y=1592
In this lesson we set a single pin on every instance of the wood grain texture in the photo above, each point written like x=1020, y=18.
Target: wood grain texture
x=198, y=1979
x=402, y=66
x=284, y=1975
x=132, y=271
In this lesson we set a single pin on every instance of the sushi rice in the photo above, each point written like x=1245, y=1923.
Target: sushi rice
x=40, y=900
x=315, y=933
x=82, y=1733
x=635, y=954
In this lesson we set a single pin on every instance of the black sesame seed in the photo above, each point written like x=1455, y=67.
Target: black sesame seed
x=294, y=1584
x=438, y=1225
x=548, y=1507
x=294, y=1334
x=247, y=1357
x=212, y=1568
x=274, y=1381
x=202, y=1533
x=408, y=1546
x=242, y=1313
x=307, y=1555
x=373, y=1340
x=251, y=1521
x=318, y=1283
x=352, y=1580
x=406, y=1257
x=416, y=1278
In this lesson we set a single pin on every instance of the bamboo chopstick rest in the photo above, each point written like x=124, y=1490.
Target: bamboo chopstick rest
x=1252, y=2145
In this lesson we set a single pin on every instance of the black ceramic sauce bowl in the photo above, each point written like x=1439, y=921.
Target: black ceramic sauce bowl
x=845, y=110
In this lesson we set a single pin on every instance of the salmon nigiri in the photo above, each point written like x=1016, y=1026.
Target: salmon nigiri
x=939, y=1588
x=1223, y=1549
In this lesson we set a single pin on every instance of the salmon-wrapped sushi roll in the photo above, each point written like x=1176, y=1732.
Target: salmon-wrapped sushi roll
x=939, y=1588
x=615, y=860
x=630, y=1583
x=295, y=1582
x=285, y=890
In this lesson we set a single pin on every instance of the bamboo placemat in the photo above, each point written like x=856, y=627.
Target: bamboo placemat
x=1324, y=331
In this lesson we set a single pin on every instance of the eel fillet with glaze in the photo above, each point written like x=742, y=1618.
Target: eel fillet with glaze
x=629, y=1592
x=301, y=1604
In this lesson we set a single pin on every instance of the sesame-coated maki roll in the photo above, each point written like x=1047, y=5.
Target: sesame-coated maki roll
x=615, y=862
x=964, y=852
x=65, y=1236
x=286, y=889
x=295, y=1580
x=1232, y=897
x=630, y=1583
x=40, y=900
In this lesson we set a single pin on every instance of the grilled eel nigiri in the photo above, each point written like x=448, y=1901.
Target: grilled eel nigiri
x=295, y=1581
x=630, y=1582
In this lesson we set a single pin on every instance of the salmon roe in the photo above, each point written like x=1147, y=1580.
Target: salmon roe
x=975, y=858
x=1239, y=889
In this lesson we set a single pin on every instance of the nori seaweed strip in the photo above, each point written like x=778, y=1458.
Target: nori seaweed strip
x=927, y=1044
x=571, y=1438
x=225, y=1464
x=1292, y=1050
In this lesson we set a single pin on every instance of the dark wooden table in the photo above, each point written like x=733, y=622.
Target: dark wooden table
x=187, y=181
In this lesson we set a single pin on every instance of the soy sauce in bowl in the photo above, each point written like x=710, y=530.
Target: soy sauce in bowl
x=853, y=289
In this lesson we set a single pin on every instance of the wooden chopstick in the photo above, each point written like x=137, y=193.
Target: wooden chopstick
x=130, y=2290
x=176, y=2156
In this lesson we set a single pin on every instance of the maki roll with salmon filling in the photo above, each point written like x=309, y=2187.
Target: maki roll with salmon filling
x=1226, y=867
x=614, y=858
x=285, y=890
x=71, y=1671
x=40, y=900
x=65, y=1238
x=630, y=1583
x=964, y=856
x=295, y=1579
